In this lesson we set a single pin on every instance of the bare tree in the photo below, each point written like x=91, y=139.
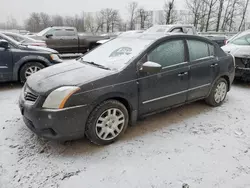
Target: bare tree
x=195, y=7
x=33, y=22
x=243, y=15
x=211, y=8
x=226, y=15
x=99, y=22
x=45, y=20
x=90, y=23
x=143, y=17
x=132, y=8
x=233, y=13
x=115, y=19
x=221, y=2
x=57, y=20
x=11, y=23
x=169, y=11
x=203, y=15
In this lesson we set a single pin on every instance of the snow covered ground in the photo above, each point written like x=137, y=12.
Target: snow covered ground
x=195, y=144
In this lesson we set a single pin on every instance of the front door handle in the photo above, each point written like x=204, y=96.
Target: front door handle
x=214, y=65
x=183, y=74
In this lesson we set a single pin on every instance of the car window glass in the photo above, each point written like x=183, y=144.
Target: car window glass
x=64, y=33
x=16, y=38
x=211, y=50
x=189, y=30
x=197, y=50
x=50, y=32
x=168, y=53
x=177, y=30
x=243, y=40
x=59, y=32
x=70, y=32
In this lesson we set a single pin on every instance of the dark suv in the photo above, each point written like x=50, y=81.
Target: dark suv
x=121, y=80
x=18, y=61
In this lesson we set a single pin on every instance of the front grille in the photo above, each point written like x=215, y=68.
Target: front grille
x=242, y=62
x=29, y=95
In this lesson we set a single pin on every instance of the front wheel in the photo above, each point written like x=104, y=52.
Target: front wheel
x=107, y=122
x=218, y=93
x=28, y=69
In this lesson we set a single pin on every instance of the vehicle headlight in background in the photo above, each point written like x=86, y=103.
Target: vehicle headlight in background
x=55, y=57
x=57, y=98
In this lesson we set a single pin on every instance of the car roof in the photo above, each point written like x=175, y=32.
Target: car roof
x=162, y=36
x=62, y=27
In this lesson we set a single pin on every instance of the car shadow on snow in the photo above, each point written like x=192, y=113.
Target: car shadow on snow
x=165, y=120
x=241, y=83
x=10, y=85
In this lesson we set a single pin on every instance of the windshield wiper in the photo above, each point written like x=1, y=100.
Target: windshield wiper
x=95, y=64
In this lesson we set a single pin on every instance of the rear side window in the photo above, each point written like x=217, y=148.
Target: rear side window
x=177, y=30
x=211, y=50
x=168, y=53
x=189, y=30
x=198, y=50
x=65, y=33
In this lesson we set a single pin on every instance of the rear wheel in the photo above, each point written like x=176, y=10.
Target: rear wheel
x=28, y=69
x=107, y=122
x=218, y=93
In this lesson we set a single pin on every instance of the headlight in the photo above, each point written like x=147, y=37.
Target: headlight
x=55, y=57
x=58, y=97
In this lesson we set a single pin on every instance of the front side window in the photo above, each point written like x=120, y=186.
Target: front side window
x=168, y=53
x=198, y=50
x=243, y=40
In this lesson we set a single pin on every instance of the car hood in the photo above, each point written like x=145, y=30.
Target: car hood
x=69, y=73
x=39, y=48
x=237, y=50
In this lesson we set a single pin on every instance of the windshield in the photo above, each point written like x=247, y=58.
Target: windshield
x=159, y=29
x=241, y=40
x=19, y=38
x=43, y=32
x=9, y=39
x=116, y=53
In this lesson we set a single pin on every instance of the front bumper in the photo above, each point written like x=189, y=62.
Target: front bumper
x=242, y=72
x=64, y=124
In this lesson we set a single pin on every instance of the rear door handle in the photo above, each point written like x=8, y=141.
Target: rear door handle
x=214, y=65
x=183, y=74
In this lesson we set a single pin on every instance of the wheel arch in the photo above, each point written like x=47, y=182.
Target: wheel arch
x=228, y=81
x=23, y=61
x=226, y=77
x=122, y=99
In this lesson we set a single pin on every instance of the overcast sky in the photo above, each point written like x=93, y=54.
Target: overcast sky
x=20, y=9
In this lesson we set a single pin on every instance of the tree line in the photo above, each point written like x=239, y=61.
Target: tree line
x=205, y=15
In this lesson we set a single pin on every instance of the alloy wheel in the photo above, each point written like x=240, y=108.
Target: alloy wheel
x=110, y=124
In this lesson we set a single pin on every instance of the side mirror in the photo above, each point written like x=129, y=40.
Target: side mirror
x=49, y=35
x=151, y=67
x=4, y=44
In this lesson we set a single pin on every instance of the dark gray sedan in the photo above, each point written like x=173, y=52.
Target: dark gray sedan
x=129, y=77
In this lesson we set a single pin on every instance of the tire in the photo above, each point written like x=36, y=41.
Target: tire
x=93, y=46
x=218, y=93
x=107, y=122
x=28, y=67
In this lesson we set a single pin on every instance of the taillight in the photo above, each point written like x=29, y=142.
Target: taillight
x=225, y=42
